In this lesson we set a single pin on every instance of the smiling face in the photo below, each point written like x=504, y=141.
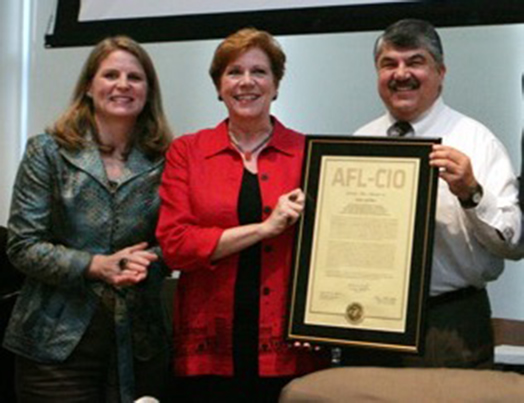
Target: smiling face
x=119, y=88
x=409, y=80
x=248, y=86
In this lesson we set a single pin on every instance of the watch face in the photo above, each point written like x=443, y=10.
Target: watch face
x=476, y=197
x=474, y=200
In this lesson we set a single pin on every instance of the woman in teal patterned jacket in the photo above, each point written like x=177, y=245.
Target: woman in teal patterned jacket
x=88, y=325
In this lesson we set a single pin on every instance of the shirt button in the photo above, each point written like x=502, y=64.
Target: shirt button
x=268, y=248
x=267, y=210
x=266, y=291
x=264, y=177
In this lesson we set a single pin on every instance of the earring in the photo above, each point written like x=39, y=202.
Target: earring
x=220, y=98
x=275, y=97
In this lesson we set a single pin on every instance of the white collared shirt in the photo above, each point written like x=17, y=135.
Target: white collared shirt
x=470, y=244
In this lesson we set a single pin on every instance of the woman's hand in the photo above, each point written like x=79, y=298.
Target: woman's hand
x=306, y=346
x=286, y=213
x=125, y=267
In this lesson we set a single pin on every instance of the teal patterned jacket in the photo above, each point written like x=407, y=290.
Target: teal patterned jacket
x=63, y=211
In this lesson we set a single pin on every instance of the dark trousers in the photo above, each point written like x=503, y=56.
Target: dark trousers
x=7, y=358
x=210, y=389
x=89, y=374
x=459, y=334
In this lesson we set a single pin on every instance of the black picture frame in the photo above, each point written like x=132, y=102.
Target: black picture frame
x=375, y=154
x=69, y=31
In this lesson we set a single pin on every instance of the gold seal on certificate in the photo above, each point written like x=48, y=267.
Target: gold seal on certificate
x=355, y=313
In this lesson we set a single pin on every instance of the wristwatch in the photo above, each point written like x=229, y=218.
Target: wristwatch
x=474, y=198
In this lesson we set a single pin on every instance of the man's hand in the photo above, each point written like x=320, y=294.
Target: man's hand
x=455, y=168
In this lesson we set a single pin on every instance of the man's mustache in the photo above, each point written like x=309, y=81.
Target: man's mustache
x=410, y=84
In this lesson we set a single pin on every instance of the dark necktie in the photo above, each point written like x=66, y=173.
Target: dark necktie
x=399, y=129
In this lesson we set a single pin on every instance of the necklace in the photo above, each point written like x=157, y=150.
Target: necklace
x=248, y=154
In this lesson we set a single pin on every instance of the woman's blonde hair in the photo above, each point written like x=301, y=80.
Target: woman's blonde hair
x=151, y=132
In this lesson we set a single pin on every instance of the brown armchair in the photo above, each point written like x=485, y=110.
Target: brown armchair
x=406, y=385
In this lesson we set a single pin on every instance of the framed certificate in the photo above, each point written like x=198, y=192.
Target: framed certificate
x=364, y=243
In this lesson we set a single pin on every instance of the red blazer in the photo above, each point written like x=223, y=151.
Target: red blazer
x=199, y=194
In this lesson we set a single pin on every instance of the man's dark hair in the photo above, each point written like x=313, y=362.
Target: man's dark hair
x=411, y=34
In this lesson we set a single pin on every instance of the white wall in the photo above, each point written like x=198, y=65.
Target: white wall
x=329, y=88
x=10, y=84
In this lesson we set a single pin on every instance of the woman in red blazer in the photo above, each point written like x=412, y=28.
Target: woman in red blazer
x=230, y=199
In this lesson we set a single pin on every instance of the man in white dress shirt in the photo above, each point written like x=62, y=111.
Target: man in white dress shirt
x=478, y=217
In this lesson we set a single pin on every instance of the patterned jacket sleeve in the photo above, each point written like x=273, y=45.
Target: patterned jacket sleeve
x=30, y=247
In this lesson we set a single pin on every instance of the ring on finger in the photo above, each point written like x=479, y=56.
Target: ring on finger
x=122, y=263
